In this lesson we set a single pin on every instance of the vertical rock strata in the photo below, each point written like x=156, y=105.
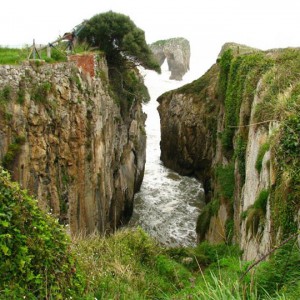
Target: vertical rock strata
x=63, y=138
x=237, y=129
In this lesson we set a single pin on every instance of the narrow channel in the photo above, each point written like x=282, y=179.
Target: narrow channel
x=168, y=204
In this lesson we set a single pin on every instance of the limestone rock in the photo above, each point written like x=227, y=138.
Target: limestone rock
x=188, y=128
x=196, y=121
x=78, y=156
x=177, y=53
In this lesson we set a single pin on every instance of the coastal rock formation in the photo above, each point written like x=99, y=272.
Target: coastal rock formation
x=187, y=141
x=62, y=136
x=177, y=53
x=235, y=128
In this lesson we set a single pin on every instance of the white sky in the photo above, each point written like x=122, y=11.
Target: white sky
x=206, y=24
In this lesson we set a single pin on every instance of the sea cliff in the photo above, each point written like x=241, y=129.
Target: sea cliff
x=63, y=137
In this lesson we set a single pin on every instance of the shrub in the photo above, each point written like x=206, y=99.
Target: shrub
x=242, y=79
x=12, y=152
x=203, y=222
x=240, y=155
x=281, y=272
x=256, y=213
x=172, y=270
x=226, y=181
x=6, y=93
x=260, y=156
x=208, y=254
x=120, y=39
x=34, y=250
x=40, y=92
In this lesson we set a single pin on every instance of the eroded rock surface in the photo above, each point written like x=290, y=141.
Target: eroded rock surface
x=73, y=150
x=177, y=53
x=223, y=129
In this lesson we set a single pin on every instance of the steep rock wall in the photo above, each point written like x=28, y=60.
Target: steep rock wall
x=187, y=141
x=63, y=138
x=236, y=129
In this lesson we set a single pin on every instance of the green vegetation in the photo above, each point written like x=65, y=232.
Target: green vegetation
x=279, y=92
x=240, y=156
x=13, y=151
x=198, y=88
x=204, y=272
x=281, y=87
x=225, y=181
x=118, y=37
x=125, y=48
x=6, y=94
x=203, y=221
x=256, y=214
x=41, y=91
x=280, y=273
x=261, y=153
x=10, y=56
x=38, y=261
x=224, y=191
x=225, y=63
x=237, y=82
x=286, y=192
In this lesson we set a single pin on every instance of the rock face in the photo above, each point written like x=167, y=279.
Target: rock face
x=187, y=141
x=177, y=53
x=63, y=138
x=232, y=128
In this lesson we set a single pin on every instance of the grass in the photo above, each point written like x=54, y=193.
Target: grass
x=130, y=265
x=126, y=265
x=260, y=156
x=12, y=56
x=256, y=214
x=13, y=151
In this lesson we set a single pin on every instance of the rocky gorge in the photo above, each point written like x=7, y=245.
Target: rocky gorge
x=237, y=130
x=64, y=138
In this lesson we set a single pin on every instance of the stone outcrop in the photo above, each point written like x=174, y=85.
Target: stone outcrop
x=63, y=138
x=187, y=141
x=249, y=180
x=177, y=53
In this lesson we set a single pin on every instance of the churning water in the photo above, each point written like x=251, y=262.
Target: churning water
x=168, y=204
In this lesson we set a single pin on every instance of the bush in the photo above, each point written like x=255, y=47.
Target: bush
x=260, y=156
x=34, y=250
x=5, y=94
x=13, y=151
x=281, y=272
x=226, y=181
x=241, y=80
x=41, y=91
x=208, y=254
x=118, y=37
x=256, y=213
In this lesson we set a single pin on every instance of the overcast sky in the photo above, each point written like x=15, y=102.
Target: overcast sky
x=207, y=24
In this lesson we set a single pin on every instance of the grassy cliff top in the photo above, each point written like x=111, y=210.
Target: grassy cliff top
x=237, y=49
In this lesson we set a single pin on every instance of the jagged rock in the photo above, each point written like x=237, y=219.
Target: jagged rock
x=215, y=129
x=177, y=53
x=78, y=155
x=188, y=141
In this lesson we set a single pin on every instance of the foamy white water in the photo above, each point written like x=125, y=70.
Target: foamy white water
x=168, y=204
